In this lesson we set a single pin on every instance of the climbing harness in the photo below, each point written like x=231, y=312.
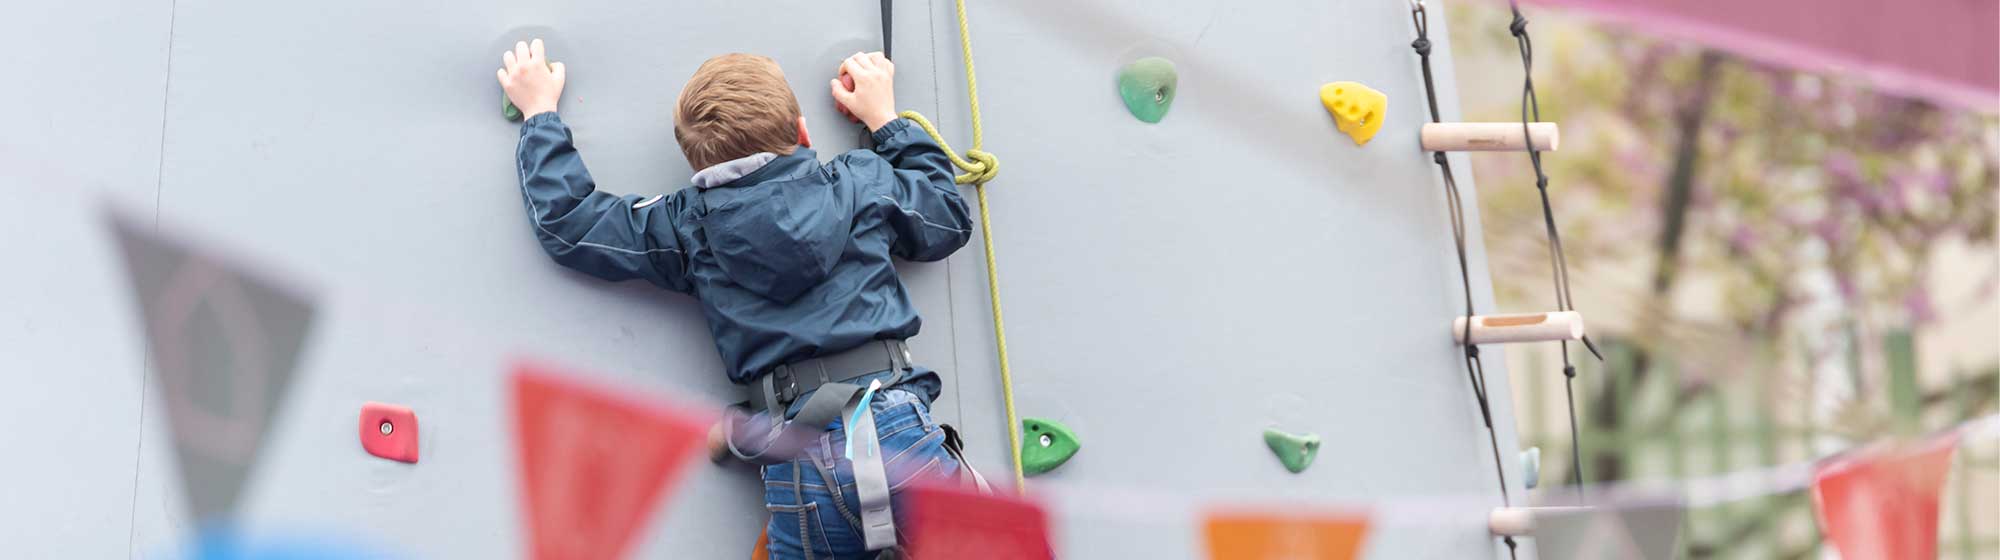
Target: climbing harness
x=1531, y=111
x=835, y=393
x=980, y=167
x=1475, y=369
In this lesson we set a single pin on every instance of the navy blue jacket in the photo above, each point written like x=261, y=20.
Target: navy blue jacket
x=790, y=261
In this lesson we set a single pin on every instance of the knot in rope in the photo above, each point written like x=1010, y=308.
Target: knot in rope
x=1520, y=25
x=979, y=165
x=985, y=166
x=1569, y=371
x=1423, y=46
x=1472, y=351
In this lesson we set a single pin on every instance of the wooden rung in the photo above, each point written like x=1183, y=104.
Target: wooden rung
x=1520, y=327
x=1488, y=137
x=1511, y=521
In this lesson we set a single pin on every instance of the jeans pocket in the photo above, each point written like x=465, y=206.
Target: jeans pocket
x=897, y=480
x=796, y=532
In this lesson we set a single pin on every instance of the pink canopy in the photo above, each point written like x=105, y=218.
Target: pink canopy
x=1945, y=50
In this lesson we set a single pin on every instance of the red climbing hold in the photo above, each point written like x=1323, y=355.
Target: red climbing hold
x=389, y=431
x=594, y=461
x=948, y=522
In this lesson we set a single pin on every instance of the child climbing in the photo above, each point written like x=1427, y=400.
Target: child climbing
x=790, y=258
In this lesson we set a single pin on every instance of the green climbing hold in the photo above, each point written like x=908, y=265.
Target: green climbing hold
x=1045, y=445
x=1295, y=451
x=1147, y=85
x=507, y=109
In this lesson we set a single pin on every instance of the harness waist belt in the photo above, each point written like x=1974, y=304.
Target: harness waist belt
x=786, y=383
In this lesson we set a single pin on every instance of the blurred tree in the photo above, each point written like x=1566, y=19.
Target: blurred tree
x=1733, y=226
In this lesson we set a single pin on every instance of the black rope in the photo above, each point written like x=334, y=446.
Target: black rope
x=1531, y=111
x=1475, y=370
x=887, y=28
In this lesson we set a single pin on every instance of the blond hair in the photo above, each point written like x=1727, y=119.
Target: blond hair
x=736, y=105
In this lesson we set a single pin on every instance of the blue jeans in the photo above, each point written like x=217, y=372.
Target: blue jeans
x=812, y=519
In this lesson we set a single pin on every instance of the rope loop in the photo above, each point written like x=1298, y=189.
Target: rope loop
x=979, y=166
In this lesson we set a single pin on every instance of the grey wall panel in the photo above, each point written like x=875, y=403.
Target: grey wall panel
x=1172, y=289
x=83, y=124
x=361, y=144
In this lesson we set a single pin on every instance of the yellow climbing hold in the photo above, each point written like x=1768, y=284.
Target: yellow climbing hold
x=1357, y=109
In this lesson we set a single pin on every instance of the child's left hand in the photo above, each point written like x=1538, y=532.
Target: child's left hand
x=531, y=81
x=871, y=94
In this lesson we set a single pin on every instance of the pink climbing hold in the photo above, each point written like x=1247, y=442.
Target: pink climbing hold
x=389, y=431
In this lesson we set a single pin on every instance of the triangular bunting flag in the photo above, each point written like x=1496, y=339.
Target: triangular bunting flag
x=224, y=345
x=594, y=462
x=1246, y=535
x=947, y=522
x=1884, y=504
x=1636, y=531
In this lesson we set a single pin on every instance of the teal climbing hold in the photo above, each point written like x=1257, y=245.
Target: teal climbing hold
x=1295, y=451
x=1531, y=466
x=1147, y=85
x=1045, y=445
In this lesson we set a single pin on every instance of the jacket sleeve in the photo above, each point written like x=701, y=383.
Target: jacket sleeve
x=604, y=235
x=925, y=209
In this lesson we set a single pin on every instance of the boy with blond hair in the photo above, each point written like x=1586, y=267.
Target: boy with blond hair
x=790, y=258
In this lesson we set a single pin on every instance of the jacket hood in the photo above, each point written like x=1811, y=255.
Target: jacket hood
x=778, y=231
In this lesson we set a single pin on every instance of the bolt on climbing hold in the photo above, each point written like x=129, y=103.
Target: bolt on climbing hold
x=1531, y=466
x=1296, y=451
x=1045, y=445
x=1357, y=109
x=1147, y=85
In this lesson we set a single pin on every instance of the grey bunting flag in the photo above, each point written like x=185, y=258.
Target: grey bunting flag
x=224, y=346
x=1635, y=532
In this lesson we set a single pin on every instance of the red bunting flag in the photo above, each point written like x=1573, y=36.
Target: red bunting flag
x=1884, y=504
x=594, y=462
x=948, y=522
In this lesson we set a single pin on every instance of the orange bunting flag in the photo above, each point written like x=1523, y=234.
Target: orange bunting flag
x=594, y=462
x=949, y=522
x=1247, y=535
x=1884, y=504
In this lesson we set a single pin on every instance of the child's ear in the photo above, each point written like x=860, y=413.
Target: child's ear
x=804, y=139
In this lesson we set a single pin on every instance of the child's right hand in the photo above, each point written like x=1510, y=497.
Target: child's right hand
x=873, y=99
x=530, y=80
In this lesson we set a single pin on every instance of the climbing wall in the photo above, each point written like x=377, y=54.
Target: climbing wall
x=1173, y=289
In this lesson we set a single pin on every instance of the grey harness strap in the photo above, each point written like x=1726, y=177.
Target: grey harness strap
x=832, y=397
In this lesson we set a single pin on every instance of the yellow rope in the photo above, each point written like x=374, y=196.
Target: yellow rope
x=979, y=168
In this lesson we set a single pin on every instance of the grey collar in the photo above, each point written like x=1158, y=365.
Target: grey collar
x=731, y=170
